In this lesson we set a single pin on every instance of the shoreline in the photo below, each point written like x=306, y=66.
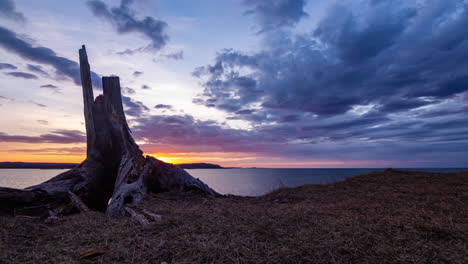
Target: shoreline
x=381, y=217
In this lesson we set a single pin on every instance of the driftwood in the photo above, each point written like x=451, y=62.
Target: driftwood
x=137, y=217
x=115, y=173
x=76, y=201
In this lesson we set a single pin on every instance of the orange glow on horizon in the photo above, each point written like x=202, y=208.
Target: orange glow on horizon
x=60, y=153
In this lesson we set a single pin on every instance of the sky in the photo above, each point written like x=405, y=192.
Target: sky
x=243, y=83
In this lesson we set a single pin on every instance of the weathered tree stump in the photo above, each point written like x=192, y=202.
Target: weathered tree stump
x=115, y=173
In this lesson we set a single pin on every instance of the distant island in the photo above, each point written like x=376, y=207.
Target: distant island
x=199, y=166
x=34, y=165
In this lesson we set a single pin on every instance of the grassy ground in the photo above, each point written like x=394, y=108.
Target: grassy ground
x=386, y=217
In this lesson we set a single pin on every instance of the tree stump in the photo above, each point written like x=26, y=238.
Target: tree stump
x=115, y=173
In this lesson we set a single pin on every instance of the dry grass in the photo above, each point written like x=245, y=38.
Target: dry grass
x=387, y=217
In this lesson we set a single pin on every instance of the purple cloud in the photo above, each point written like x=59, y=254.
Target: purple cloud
x=8, y=10
x=125, y=21
x=7, y=66
x=57, y=136
x=64, y=68
x=23, y=75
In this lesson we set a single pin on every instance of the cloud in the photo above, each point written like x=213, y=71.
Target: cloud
x=402, y=104
x=8, y=10
x=52, y=87
x=289, y=75
x=37, y=69
x=134, y=108
x=381, y=73
x=49, y=86
x=175, y=56
x=145, y=87
x=393, y=142
x=7, y=66
x=6, y=98
x=43, y=122
x=341, y=29
x=64, y=68
x=440, y=113
x=274, y=14
x=57, y=136
x=126, y=52
x=54, y=151
x=23, y=75
x=37, y=104
x=163, y=106
x=129, y=91
x=137, y=73
x=124, y=20
x=184, y=133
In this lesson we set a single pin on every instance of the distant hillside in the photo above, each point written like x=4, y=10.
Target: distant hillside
x=199, y=166
x=28, y=165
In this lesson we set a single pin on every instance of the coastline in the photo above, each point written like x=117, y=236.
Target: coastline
x=382, y=217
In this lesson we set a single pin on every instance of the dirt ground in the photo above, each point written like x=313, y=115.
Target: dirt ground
x=383, y=217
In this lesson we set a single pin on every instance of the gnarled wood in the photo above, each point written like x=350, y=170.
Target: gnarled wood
x=115, y=168
x=88, y=98
x=76, y=201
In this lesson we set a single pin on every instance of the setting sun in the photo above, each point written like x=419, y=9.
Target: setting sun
x=165, y=159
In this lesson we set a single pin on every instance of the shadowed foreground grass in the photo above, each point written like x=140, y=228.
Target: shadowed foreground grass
x=382, y=217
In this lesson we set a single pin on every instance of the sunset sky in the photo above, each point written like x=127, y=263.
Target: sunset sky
x=265, y=83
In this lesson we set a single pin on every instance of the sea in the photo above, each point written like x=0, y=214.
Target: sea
x=245, y=182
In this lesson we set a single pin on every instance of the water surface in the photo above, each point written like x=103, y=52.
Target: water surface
x=226, y=181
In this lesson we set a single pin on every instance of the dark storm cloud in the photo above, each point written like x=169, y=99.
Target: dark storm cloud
x=371, y=71
x=245, y=112
x=57, y=136
x=273, y=14
x=7, y=66
x=23, y=75
x=289, y=118
x=134, y=108
x=8, y=10
x=382, y=57
x=64, y=68
x=446, y=88
x=402, y=104
x=125, y=21
x=355, y=43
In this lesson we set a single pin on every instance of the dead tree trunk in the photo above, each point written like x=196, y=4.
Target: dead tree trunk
x=115, y=173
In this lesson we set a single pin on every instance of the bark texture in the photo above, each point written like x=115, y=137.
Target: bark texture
x=115, y=173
